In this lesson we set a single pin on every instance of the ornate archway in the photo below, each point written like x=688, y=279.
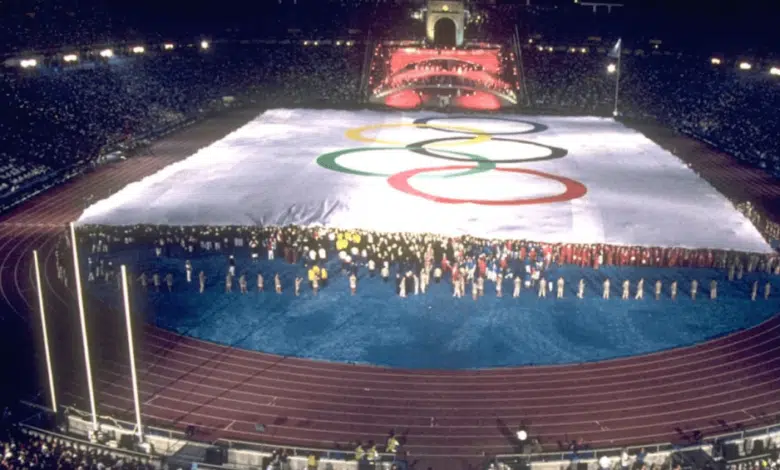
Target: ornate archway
x=445, y=9
x=445, y=33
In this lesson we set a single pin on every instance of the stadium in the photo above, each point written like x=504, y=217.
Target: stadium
x=430, y=234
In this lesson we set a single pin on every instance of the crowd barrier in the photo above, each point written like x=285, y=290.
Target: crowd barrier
x=245, y=454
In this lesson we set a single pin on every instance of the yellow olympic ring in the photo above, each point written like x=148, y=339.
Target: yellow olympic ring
x=356, y=133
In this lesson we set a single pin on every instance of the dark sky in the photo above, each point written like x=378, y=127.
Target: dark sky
x=716, y=24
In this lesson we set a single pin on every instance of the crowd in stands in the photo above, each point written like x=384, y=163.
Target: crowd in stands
x=23, y=451
x=68, y=116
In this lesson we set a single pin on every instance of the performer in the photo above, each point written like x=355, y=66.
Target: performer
x=371, y=268
x=188, y=268
x=754, y=292
x=385, y=272
x=518, y=283
x=560, y=286
x=315, y=284
x=228, y=282
x=481, y=285
x=767, y=290
x=277, y=283
x=605, y=293
x=143, y=280
x=674, y=290
x=298, y=281
x=740, y=271
x=713, y=289
x=352, y=283
x=232, y=266
x=581, y=289
x=694, y=288
x=402, y=287
x=437, y=275
x=424, y=279
x=202, y=281
x=543, y=288
x=156, y=280
x=626, y=289
x=640, y=290
x=260, y=282
x=169, y=281
x=242, y=283
x=658, y=286
x=732, y=271
x=474, y=289
x=499, y=281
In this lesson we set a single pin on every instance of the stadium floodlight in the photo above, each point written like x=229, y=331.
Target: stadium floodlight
x=531, y=41
x=549, y=48
x=522, y=435
x=611, y=68
x=338, y=43
x=168, y=46
x=715, y=61
x=745, y=66
x=584, y=50
x=774, y=71
x=107, y=53
x=28, y=63
x=138, y=50
x=316, y=43
x=204, y=44
x=70, y=58
x=605, y=463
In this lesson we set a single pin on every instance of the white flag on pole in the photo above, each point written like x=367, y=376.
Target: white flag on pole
x=616, y=49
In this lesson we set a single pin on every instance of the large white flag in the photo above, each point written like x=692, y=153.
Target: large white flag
x=556, y=179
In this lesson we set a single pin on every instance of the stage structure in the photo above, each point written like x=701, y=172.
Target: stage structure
x=444, y=71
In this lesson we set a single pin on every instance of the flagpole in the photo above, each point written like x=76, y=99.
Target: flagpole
x=45, y=330
x=617, y=78
x=131, y=349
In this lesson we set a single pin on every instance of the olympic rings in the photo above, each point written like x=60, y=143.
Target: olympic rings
x=574, y=189
x=328, y=161
x=535, y=126
x=356, y=133
x=555, y=152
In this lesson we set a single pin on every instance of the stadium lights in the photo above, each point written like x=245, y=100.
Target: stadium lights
x=70, y=58
x=350, y=43
x=745, y=66
x=107, y=53
x=521, y=434
x=540, y=48
x=584, y=50
x=138, y=50
x=715, y=61
x=611, y=68
x=204, y=44
x=28, y=63
x=338, y=43
x=530, y=41
x=774, y=71
x=168, y=46
x=316, y=43
x=549, y=49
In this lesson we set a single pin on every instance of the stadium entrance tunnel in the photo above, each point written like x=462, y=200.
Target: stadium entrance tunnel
x=445, y=33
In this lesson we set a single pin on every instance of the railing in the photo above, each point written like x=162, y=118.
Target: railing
x=567, y=455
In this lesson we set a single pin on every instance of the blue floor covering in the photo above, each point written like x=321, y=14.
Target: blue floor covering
x=435, y=330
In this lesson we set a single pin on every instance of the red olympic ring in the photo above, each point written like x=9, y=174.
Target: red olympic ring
x=574, y=189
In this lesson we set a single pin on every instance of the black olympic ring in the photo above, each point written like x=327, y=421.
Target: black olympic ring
x=535, y=126
x=419, y=147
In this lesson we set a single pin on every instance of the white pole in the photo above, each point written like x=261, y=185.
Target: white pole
x=133, y=375
x=83, y=319
x=45, y=333
x=617, y=78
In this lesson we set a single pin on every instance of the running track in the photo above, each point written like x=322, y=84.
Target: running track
x=722, y=385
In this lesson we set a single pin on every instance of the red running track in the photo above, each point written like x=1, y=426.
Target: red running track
x=725, y=384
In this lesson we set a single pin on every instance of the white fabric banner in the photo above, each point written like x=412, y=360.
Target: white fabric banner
x=556, y=179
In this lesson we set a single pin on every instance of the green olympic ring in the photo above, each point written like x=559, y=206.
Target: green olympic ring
x=328, y=161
